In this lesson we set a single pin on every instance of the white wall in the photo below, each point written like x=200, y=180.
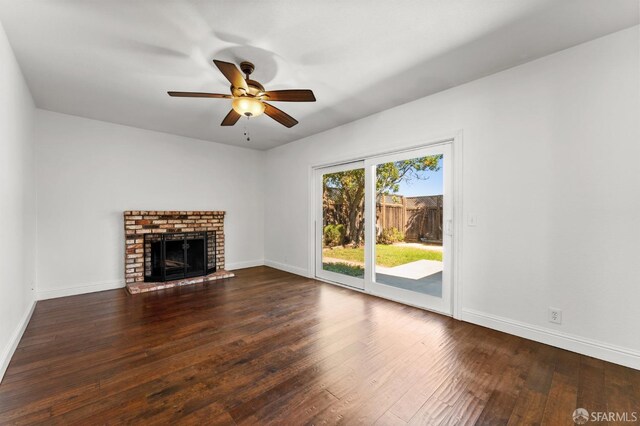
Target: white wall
x=17, y=203
x=551, y=153
x=90, y=171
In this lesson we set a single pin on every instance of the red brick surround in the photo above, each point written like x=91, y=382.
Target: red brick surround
x=140, y=222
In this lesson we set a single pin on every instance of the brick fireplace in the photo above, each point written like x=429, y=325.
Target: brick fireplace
x=153, y=237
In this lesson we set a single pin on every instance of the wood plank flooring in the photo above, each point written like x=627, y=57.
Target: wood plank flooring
x=268, y=347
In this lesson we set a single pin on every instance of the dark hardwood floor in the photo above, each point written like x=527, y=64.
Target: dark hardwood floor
x=271, y=347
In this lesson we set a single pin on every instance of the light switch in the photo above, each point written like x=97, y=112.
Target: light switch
x=472, y=220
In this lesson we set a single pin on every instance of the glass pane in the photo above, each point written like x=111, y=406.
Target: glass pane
x=409, y=240
x=174, y=258
x=195, y=255
x=343, y=222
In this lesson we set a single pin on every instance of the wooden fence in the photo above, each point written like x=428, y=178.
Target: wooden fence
x=420, y=218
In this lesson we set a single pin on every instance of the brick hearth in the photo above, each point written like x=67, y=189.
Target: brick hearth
x=140, y=222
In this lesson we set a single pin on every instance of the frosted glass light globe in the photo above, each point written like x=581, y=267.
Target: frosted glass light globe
x=248, y=106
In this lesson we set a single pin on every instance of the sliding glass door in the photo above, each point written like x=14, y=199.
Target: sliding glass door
x=340, y=224
x=409, y=207
x=384, y=225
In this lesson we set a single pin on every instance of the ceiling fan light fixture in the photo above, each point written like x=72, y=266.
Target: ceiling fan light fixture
x=249, y=96
x=248, y=106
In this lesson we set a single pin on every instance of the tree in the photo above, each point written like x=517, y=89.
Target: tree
x=343, y=192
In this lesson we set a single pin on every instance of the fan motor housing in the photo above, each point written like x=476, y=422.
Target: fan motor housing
x=254, y=87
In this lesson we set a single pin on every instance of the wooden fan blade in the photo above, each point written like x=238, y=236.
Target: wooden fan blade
x=232, y=73
x=231, y=119
x=280, y=116
x=199, y=95
x=296, y=95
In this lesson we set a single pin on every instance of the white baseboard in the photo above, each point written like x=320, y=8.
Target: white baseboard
x=287, y=268
x=11, y=346
x=245, y=264
x=80, y=289
x=616, y=354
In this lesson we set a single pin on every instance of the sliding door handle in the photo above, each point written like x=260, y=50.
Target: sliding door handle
x=448, y=227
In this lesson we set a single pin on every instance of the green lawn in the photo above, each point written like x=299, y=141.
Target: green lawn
x=386, y=255
x=345, y=269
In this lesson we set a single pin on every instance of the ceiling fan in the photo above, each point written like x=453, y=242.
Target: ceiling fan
x=249, y=96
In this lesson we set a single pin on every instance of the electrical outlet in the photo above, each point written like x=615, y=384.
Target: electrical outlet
x=555, y=316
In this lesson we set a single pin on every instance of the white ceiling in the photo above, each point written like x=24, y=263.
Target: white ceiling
x=114, y=60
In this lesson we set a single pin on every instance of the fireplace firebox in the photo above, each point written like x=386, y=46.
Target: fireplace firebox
x=175, y=256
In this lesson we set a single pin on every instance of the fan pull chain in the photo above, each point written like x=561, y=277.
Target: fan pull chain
x=246, y=131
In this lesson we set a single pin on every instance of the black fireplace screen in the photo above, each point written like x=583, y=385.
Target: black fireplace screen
x=178, y=255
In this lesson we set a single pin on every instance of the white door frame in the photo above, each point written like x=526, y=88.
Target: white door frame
x=456, y=140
